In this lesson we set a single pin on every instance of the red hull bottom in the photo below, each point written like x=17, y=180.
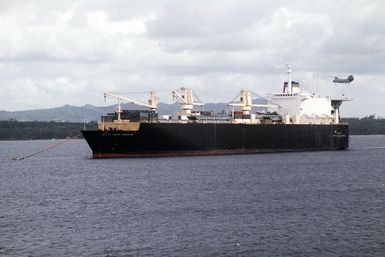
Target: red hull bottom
x=197, y=153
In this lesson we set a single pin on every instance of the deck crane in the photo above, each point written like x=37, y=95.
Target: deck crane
x=152, y=102
x=245, y=102
x=184, y=96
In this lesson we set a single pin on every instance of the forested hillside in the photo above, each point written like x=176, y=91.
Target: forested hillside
x=366, y=126
x=14, y=130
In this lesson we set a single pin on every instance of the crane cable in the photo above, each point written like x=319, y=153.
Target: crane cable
x=47, y=148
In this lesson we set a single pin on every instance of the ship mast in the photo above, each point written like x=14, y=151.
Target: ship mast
x=152, y=102
x=289, y=88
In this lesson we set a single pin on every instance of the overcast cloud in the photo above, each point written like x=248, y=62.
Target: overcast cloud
x=69, y=52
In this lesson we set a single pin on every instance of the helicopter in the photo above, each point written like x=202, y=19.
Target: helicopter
x=349, y=79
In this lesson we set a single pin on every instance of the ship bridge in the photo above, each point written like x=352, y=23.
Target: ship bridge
x=299, y=107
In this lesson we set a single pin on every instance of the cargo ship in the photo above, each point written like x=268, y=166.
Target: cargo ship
x=292, y=120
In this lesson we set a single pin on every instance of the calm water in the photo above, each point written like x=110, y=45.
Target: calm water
x=62, y=203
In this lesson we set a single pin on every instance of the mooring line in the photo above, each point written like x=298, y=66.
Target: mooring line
x=47, y=148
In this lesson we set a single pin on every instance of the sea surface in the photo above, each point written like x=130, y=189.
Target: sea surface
x=63, y=203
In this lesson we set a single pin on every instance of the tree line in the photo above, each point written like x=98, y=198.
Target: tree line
x=30, y=130
x=366, y=126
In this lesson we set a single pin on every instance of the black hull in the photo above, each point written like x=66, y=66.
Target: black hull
x=176, y=139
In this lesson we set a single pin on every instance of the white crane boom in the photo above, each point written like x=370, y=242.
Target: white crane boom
x=152, y=102
x=245, y=102
x=255, y=105
x=185, y=98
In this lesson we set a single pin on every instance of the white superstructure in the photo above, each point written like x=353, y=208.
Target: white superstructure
x=297, y=107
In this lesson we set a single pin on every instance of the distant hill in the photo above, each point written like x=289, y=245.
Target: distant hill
x=64, y=113
x=69, y=113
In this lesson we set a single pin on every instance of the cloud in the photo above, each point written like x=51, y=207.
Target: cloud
x=70, y=51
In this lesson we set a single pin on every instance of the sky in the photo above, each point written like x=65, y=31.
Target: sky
x=61, y=52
